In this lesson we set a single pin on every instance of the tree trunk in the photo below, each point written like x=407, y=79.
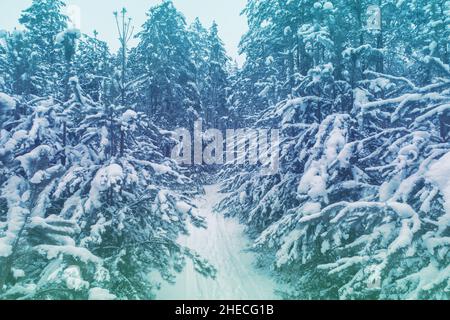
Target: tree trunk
x=122, y=142
x=380, y=43
x=444, y=122
x=64, y=143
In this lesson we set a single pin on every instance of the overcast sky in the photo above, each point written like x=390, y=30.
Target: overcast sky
x=97, y=14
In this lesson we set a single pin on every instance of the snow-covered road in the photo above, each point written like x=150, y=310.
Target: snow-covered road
x=223, y=244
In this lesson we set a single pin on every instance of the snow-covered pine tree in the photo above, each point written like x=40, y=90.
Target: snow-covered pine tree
x=358, y=209
x=264, y=73
x=18, y=63
x=198, y=35
x=94, y=64
x=163, y=64
x=77, y=221
x=211, y=61
x=98, y=224
x=43, y=21
x=3, y=61
x=217, y=80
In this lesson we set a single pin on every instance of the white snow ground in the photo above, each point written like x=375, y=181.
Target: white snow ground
x=223, y=244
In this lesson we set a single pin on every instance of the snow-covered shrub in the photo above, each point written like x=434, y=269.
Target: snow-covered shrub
x=79, y=219
x=355, y=214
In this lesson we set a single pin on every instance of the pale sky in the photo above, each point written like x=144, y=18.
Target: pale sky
x=97, y=14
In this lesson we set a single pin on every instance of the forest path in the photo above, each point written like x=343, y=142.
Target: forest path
x=223, y=244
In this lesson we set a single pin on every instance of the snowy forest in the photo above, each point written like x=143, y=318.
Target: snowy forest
x=92, y=206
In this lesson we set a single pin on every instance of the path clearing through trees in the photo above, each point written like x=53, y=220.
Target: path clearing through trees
x=224, y=245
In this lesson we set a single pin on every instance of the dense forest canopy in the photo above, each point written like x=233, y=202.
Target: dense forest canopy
x=91, y=203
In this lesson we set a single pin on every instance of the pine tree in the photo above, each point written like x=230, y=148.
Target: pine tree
x=163, y=57
x=198, y=36
x=18, y=63
x=217, y=79
x=4, y=69
x=94, y=64
x=43, y=21
x=96, y=224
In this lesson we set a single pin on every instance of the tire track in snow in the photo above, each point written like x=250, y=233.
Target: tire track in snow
x=223, y=244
